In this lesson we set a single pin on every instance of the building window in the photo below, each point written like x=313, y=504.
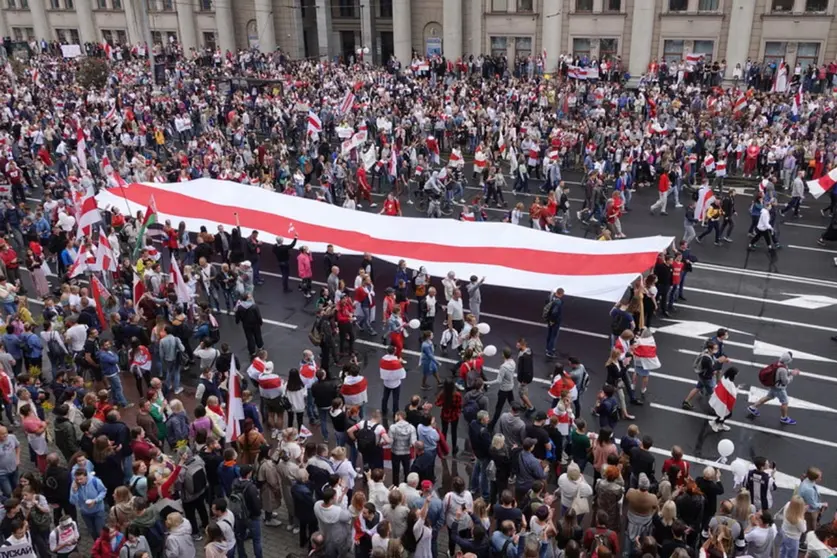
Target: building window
x=673, y=51
x=209, y=40
x=525, y=5
x=783, y=5
x=55, y=4
x=608, y=49
x=584, y=5
x=706, y=48
x=678, y=5
x=156, y=37
x=523, y=47
x=808, y=54
x=67, y=36
x=816, y=5
x=708, y=5
x=168, y=5
x=117, y=4
x=581, y=48
x=205, y=5
x=346, y=8
x=499, y=5
x=774, y=52
x=17, y=33
x=385, y=7
x=613, y=5
x=12, y=4
x=498, y=46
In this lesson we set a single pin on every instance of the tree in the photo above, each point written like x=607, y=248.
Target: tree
x=92, y=72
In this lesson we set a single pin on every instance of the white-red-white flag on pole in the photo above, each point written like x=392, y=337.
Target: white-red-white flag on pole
x=235, y=407
x=88, y=213
x=797, y=103
x=179, y=284
x=823, y=184
x=81, y=148
x=347, y=102
x=108, y=50
x=36, y=77
x=85, y=261
x=105, y=258
x=315, y=125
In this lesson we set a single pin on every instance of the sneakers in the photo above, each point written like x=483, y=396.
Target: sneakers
x=197, y=537
x=296, y=530
x=725, y=427
x=273, y=523
x=678, y=206
x=178, y=391
x=714, y=425
x=688, y=406
x=290, y=527
x=787, y=420
x=753, y=411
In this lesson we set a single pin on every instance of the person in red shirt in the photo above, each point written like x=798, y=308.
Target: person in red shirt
x=664, y=188
x=751, y=157
x=363, y=189
x=392, y=206
x=11, y=262
x=676, y=459
x=613, y=212
x=345, y=317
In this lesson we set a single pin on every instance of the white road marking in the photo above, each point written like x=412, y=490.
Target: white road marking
x=755, y=393
x=760, y=348
x=809, y=281
x=759, y=365
x=807, y=302
x=789, y=433
x=764, y=319
x=803, y=225
x=812, y=249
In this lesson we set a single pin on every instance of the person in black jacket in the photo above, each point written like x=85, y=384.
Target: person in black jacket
x=478, y=543
x=480, y=437
x=664, y=279
x=56, y=488
x=223, y=242
x=283, y=255
x=120, y=436
x=253, y=248
x=303, y=496
x=248, y=315
x=253, y=503
x=525, y=372
x=324, y=391
x=424, y=465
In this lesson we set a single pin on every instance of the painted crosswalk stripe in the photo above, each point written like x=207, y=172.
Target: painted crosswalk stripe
x=804, y=226
x=792, y=434
x=811, y=281
x=812, y=249
x=761, y=365
x=756, y=318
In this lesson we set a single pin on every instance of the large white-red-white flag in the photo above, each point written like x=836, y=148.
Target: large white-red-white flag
x=705, y=199
x=797, y=103
x=823, y=184
x=235, y=406
x=315, y=125
x=81, y=148
x=88, y=213
x=179, y=283
x=347, y=102
x=514, y=257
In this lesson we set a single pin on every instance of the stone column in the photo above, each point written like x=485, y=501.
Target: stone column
x=402, y=32
x=186, y=25
x=136, y=33
x=4, y=25
x=477, y=31
x=225, y=26
x=452, y=29
x=552, y=20
x=86, y=25
x=324, y=28
x=40, y=23
x=367, y=29
x=264, y=22
x=738, y=39
x=641, y=31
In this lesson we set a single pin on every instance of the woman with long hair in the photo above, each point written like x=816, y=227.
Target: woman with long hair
x=742, y=509
x=296, y=393
x=690, y=506
x=615, y=365
x=610, y=489
x=501, y=458
x=793, y=527
x=450, y=401
x=107, y=465
x=602, y=448
x=663, y=522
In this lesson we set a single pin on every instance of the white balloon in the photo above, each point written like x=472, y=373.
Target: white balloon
x=484, y=328
x=740, y=468
x=414, y=324
x=726, y=448
x=490, y=351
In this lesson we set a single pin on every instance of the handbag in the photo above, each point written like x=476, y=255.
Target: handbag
x=580, y=505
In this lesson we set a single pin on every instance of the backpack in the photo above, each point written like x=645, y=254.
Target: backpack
x=600, y=539
x=195, y=482
x=617, y=324
x=314, y=335
x=470, y=410
x=156, y=537
x=55, y=350
x=133, y=486
x=238, y=507
x=547, y=310
x=697, y=365
x=366, y=439
x=585, y=382
x=502, y=553
x=214, y=335
x=41, y=522
x=767, y=375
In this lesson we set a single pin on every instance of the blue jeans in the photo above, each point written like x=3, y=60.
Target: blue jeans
x=171, y=374
x=117, y=393
x=324, y=423
x=479, y=480
x=789, y=548
x=128, y=467
x=8, y=482
x=255, y=526
x=256, y=275
x=10, y=308
x=313, y=414
x=552, y=336
x=95, y=523
x=343, y=440
x=396, y=393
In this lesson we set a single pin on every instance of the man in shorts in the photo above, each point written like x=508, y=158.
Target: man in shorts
x=783, y=376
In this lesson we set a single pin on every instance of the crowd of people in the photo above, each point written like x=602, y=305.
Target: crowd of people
x=311, y=453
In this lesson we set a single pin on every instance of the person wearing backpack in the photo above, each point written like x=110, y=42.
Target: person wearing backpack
x=246, y=505
x=192, y=483
x=600, y=535
x=480, y=437
x=704, y=367
x=552, y=315
x=369, y=435
x=776, y=377
x=504, y=541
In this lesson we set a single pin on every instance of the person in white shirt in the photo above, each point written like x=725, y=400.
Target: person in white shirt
x=429, y=310
x=456, y=313
x=226, y=521
x=760, y=535
x=76, y=336
x=763, y=229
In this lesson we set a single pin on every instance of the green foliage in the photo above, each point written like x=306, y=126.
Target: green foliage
x=92, y=72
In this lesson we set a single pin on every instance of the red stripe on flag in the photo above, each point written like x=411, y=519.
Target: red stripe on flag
x=724, y=396
x=354, y=389
x=521, y=259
